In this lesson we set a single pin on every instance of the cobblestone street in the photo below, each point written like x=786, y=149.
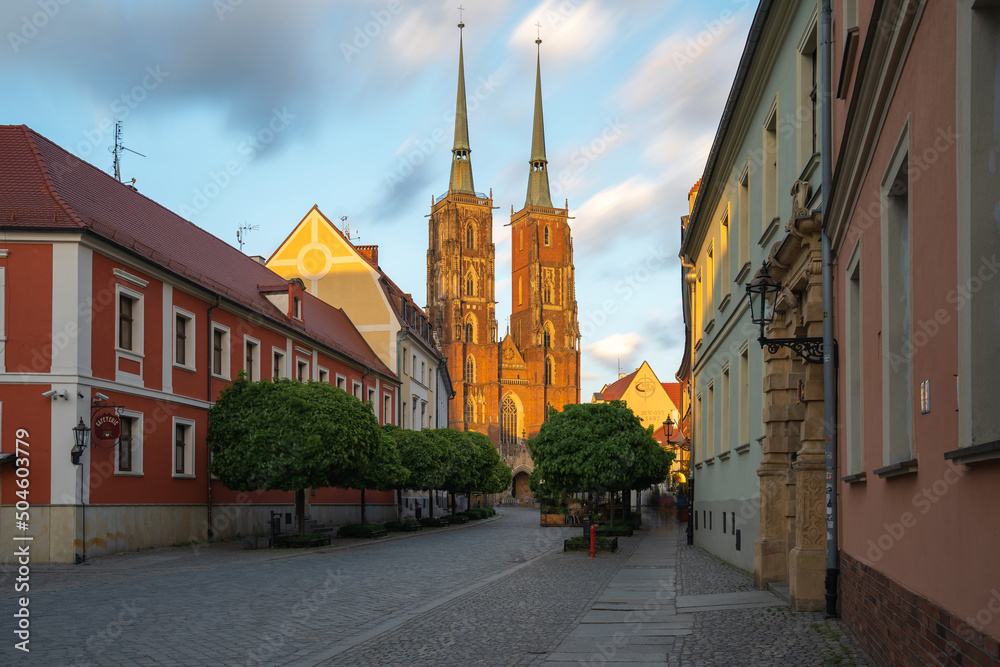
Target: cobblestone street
x=496, y=593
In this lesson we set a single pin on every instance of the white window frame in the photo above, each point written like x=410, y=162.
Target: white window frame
x=136, y=470
x=386, y=408
x=253, y=374
x=227, y=352
x=190, y=340
x=189, y=458
x=853, y=363
x=341, y=382
x=322, y=374
x=356, y=390
x=299, y=364
x=283, y=370
x=138, y=312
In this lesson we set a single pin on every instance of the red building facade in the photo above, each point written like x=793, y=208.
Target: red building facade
x=112, y=302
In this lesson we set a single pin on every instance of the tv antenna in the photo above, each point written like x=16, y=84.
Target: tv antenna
x=117, y=150
x=242, y=231
x=347, y=230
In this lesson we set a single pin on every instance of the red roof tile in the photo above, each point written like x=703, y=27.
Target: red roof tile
x=673, y=390
x=44, y=186
x=616, y=389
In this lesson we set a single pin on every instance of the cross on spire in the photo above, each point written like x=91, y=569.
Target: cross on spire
x=461, y=22
x=539, y=39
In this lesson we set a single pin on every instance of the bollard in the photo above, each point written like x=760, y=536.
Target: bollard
x=593, y=540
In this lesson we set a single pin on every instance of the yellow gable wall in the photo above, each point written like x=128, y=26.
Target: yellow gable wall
x=337, y=274
x=647, y=398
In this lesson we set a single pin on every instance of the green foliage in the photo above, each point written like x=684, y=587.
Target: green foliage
x=289, y=435
x=436, y=522
x=596, y=447
x=384, y=471
x=408, y=526
x=460, y=473
x=425, y=457
x=364, y=530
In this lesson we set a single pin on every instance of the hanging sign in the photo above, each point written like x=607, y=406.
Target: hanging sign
x=107, y=426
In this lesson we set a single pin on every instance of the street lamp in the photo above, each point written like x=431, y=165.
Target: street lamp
x=759, y=290
x=668, y=428
x=81, y=438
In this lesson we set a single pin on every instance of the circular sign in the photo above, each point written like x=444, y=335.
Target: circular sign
x=107, y=426
x=645, y=388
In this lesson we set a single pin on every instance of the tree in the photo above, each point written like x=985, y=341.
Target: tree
x=425, y=457
x=461, y=471
x=597, y=447
x=487, y=469
x=289, y=436
x=385, y=471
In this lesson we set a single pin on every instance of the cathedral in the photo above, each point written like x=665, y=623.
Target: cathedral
x=503, y=387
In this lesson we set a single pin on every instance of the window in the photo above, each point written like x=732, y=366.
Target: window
x=251, y=348
x=405, y=353
x=726, y=401
x=387, y=409
x=470, y=285
x=547, y=292
x=978, y=88
x=711, y=446
x=709, y=284
x=850, y=13
x=855, y=366
x=744, y=379
x=341, y=382
x=403, y=414
x=323, y=375
x=413, y=366
x=278, y=363
x=470, y=329
x=220, y=351
x=548, y=335
x=470, y=238
x=371, y=397
x=770, y=168
x=129, y=450
x=184, y=339
x=423, y=411
x=129, y=320
x=357, y=390
x=297, y=308
x=509, y=426
x=701, y=446
x=183, y=447
x=550, y=370
x=470, y=369
x=743, y=215
x=423, y=372
x=547, y=236
x=808, y=79
x=724, y=283
x=301, y=370
x=897, y=360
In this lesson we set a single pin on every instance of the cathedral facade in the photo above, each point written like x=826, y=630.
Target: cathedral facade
x=503, y=386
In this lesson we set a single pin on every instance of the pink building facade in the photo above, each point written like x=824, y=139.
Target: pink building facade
x=914, y=219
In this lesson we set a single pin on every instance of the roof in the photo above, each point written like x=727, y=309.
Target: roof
x=43, y=186
x=616, y=389
x=673, y=390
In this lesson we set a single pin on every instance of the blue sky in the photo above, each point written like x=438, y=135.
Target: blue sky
x=251, y=112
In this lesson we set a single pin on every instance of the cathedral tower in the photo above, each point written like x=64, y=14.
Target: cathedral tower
x=543, y=324
x=460, y=282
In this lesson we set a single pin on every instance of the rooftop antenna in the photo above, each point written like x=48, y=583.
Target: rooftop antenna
x=242, y=231
x=347, y=230
x=117, y=150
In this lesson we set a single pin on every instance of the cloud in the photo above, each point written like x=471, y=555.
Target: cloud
x=572, y=32
x=611, y=210
x=619, y=346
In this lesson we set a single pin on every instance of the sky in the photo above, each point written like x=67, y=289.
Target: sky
x=247, y=113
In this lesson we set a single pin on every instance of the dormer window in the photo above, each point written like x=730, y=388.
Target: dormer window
x=297, y=308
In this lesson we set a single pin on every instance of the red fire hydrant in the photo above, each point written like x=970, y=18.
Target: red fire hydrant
x=593, y=540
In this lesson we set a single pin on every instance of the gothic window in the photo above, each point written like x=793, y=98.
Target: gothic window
x=548, y=236
x=470, y=369
x=549, y=334
x=547, y=292
x=470, y=238
x=550, y=370
x=470, y=329
x=470, y=410
x=508, y=421
x=470, y=285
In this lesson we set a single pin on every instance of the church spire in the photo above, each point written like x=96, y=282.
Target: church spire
x=538, y=176
x=461, y=165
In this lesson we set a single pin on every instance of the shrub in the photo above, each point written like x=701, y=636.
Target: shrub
x=407, y=526
x=365, y=530
x=285, y=541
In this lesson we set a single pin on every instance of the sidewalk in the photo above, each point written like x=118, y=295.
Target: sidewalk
x=676, y=605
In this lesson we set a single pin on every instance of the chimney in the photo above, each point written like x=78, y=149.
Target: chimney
x=259, y=259
x=621, y=375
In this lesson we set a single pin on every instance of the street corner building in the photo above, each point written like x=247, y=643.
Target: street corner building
x=111, y=304
x=504, y=387
x=906, y=102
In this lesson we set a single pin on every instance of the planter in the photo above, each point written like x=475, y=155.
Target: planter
x=604, y=544
x=301, y=542
x=553, y=520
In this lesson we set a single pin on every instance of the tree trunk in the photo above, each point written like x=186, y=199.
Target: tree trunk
x=468, y=500
x=399, y=504
x=627, y=500
x=430, y=503
x=363, y=506
x=300, y=509
x=612, y=502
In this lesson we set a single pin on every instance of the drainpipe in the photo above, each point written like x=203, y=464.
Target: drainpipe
x=829, y=365
x=208, y=397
